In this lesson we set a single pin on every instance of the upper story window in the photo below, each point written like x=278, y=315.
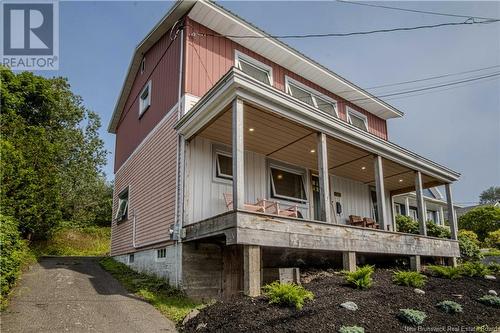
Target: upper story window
x=145, y=98
x=311, y=97
x=223, y=165
x=143, y=65
x=357, y=119
x=122, y=211
x=287, y=184
x=254, y=68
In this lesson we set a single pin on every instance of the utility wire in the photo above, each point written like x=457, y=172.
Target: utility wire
x=416, y=10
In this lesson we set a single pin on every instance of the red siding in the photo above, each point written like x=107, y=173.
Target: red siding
x=208, y=58
x=162, y=68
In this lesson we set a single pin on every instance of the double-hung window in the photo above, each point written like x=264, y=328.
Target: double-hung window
x=357, y=119
x=311, y=97
x=145, y=98
x=287, y=184
x=122, y=211
x=254, y=68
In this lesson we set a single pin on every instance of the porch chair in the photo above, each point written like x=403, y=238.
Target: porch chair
x=371, y=223
x=291, y=211
x=262, y=206
x=357, y=221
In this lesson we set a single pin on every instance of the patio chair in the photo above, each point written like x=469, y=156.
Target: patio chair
x=371, y=223
x=291, y=211
x=356, y=221
x=262, y=206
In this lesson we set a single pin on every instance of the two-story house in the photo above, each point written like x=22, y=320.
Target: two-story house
x=236, y=153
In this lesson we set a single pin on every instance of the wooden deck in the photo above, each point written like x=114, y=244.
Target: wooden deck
x=248, y=228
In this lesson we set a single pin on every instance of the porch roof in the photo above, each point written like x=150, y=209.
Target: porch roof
x=284, y=131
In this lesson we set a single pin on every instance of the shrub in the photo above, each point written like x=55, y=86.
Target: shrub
x=288, y=294
x=481, y=220
x=351, y=329
x=410, y=279
x=361, y=278
x=449, y=307
x=490, y=300
x=435, y=230
x=446, y=272
x=494, y=267
x=469, y=245
x=411, y=316
x=473, y=269
x=407, y=224
x=493, y=239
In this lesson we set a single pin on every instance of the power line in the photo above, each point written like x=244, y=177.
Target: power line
x=346, y=34
x=417, y=11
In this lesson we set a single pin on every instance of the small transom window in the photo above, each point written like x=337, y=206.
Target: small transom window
x=357, y=119
x=301, y=94
x=224, y=166
x=122, y=211
x=311, y=97
x=161, y=253
x=145, y=98
x=254, y=68
x=287, y=185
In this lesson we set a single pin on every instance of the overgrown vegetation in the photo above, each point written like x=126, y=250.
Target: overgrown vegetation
x=408, y=225
x=449, y=307
x=170, y=301
x=351, y=329
x=481, y=220
x=490, y=300
x=83, y=241
x=287, y=294
x=410, y=279
x=361, y=278
x=494, y=267
x=493, y=239
x=475, y=268
x=469, y=245
x=446, y=272
x=411, y=316
x=435, y=230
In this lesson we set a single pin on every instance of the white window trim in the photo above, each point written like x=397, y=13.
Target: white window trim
x=220, y=150
x=253, y=62
x=161, y=258
x=300, y=172
x=314, y=94
x=358, y=115
x=143, y=64
x=143, y=108
x=126, y=189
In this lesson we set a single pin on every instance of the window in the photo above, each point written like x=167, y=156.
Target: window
x=145, y=98
x=397, y=208
x=254, y=68
x=161, y=253
x=311, y=97
x=143, y=65
x=357, y=119
x=122, y=212
x=223, y=166
x=414, y=214
x=131, y=258
x=287, y=185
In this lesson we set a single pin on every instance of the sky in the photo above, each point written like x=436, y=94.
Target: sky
x=457, y=126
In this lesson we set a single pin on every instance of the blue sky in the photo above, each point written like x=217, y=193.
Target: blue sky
x=457, y=127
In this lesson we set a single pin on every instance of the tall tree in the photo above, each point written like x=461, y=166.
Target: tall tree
x=51, y=154
x=490, y=195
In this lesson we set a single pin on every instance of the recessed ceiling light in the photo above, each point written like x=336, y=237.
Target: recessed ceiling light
x=401, y=180
x=313, y=150
x=280, y=176
x=363, y=168
x=251, y=129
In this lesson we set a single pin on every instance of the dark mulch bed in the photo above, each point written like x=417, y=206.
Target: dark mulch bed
x=377, y=311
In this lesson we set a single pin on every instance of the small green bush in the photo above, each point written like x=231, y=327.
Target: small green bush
x=469, y=245
x=494, y=267
x=493, y=239
x=449, y=307
x=361, y=278
x=288, y=294
x=435, y=230
x=490, y=300
x=351, y=329
x=411, y=316
x=410, y=279
x=446, y=272
x=407, y=224
x=473, y=269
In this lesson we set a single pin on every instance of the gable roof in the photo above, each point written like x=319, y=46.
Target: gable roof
x=224, y=22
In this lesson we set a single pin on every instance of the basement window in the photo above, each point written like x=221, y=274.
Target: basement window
x=131, y=258
x=357, y=119
x=311, y=97
x=287, y=184
x=122, y=211
x=254, y=68
x=161, y=253
x=223, y=166
x=145, y=98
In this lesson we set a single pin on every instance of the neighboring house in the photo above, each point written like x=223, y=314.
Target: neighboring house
x=207, y=126
x=462, y=210
x=435, y=205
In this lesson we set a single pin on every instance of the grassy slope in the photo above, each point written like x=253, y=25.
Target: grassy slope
x=88, y=241
x=169, y=301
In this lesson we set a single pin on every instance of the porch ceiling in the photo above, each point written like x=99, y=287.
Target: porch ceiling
x=282, y=139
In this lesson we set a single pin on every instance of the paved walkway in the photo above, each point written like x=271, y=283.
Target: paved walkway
x=74, y=294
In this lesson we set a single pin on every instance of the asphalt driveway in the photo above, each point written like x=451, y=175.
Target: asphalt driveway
x=74, y=294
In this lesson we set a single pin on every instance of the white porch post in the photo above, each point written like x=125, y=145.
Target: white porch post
x=407, y=206
x=380, y=189
x=238, y=156
x=452, y=218
x=420, y=203
x=324, y=189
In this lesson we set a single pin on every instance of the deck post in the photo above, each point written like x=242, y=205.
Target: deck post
x=324, y=189
x=380, y=190
x=420, y=203
x=349, y=261
x=407, y=206
x=441, y=215
x=251, y=270
x=452, y=218
x=238, y=155
x=415, y=264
